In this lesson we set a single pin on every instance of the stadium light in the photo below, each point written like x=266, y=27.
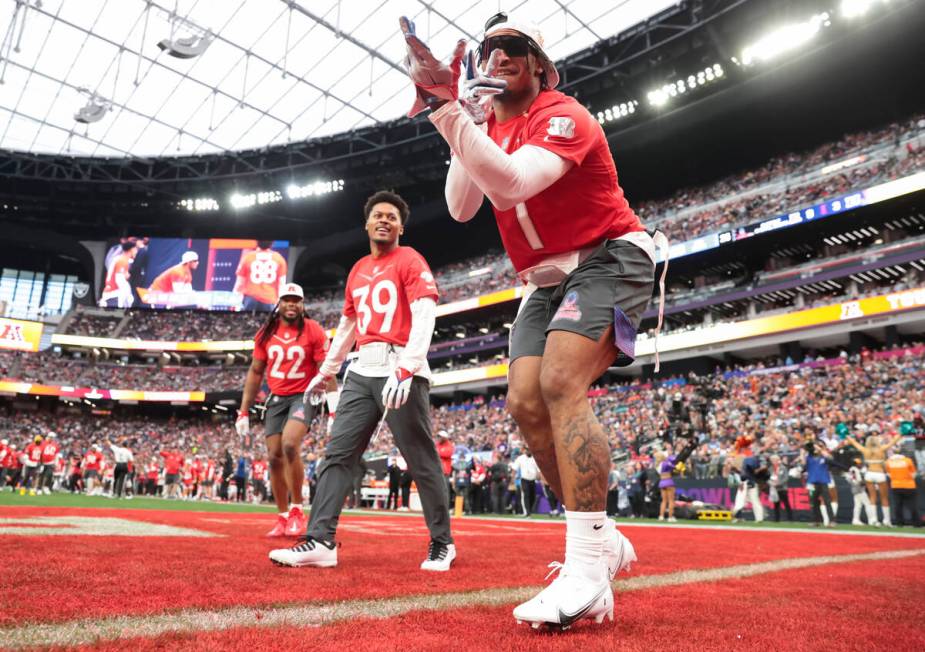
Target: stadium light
x=199, y=204
x=250, y=200
x=617, y=111
x=197, y=40
x=784, y=39
x=95, y=110
x=661, y=96
x=314, y=189
x=856, y=8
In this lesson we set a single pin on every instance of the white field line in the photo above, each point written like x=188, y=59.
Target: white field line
x=92, y=630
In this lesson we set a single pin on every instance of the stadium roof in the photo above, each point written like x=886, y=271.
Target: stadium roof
x=120, y=78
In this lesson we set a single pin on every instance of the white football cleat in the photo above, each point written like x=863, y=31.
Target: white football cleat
x=618, y=551
x=570, y=597
x=439, y=556
x=308, y=552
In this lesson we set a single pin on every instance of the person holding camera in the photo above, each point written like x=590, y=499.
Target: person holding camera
x=815, y=459
x=777, y=487
x=752, y=473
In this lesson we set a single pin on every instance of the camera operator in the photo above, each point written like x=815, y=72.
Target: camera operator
x=754, y=471
x=815, y=459
x=777, y=487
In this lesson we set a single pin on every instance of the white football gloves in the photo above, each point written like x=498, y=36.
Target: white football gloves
x=242, y=424
x=397, y=389
x=480, y=85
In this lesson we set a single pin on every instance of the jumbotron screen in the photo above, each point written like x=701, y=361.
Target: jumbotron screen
x=204, y=274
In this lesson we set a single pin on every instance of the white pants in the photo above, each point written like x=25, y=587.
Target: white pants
x=748, y=495
x=862, y=500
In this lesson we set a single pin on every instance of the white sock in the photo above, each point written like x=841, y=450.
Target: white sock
x=284, y=514
x=835, y=508
x=585, y=533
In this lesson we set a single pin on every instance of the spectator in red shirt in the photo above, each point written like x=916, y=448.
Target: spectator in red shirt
x=33, y=460
x=173, y=460
x=445, y=449
x=5, y=453
x=92, y=464
x=153, y=472
x=74, y=473
x=49, y=455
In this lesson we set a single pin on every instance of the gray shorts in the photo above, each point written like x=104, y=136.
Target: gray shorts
x=281, y=409
x=612, y=287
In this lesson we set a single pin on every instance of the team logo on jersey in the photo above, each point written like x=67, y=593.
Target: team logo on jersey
x=376, y=272
x=427, y=276
x=561, y=127
x=569, y=309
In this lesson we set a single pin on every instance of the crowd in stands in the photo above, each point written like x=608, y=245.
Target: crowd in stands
x=93, y=325
x=664, y=213
x=192, y=325
x=832, y=398
x=51, y=369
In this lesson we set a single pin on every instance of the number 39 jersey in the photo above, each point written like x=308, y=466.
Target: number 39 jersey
x=292, y=359
x=380, y=292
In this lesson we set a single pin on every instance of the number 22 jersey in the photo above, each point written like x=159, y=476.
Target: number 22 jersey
x=292, y=359
x=380, y=292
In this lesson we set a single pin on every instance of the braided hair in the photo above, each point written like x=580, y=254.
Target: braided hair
x=272, y=324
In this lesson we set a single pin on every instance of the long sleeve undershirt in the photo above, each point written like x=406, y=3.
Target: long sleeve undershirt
x=343, y=341
x=423, y=317
x=506, y=179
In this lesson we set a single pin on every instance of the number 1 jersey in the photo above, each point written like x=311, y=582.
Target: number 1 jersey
x=292, y=359
x=380, y=292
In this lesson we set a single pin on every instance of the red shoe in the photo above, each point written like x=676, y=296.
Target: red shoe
x=279, y=530
x=295, y=526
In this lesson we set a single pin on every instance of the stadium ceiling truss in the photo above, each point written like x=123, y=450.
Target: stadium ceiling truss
x=119, y=109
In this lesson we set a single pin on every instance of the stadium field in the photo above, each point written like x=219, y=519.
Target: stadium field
x=187, y=575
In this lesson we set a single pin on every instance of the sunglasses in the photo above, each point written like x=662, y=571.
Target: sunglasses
x=513, y=46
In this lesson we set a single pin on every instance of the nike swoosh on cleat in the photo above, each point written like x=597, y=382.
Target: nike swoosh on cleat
x=568, y=619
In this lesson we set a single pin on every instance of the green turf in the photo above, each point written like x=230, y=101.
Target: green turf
x=79, y=500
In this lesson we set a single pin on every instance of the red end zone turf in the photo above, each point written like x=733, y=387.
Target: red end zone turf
x=853, y=606
x=92, y=577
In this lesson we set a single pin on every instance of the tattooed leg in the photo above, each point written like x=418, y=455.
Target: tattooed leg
x=571, y=362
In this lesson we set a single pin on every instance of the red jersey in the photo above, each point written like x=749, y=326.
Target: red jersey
x=180, y=274
x=34, y=452
x=207, y=474
x=92, y=461
x=380, y=291
x=49, y=452
x=153, y=471
x=172, y=462
x=4, y=454
x=292, y=358
x=583, y=208
x=120, y=267
x=259, y=274
x=258, y=470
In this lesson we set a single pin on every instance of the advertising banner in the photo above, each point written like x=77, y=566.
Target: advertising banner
x=20, y=335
